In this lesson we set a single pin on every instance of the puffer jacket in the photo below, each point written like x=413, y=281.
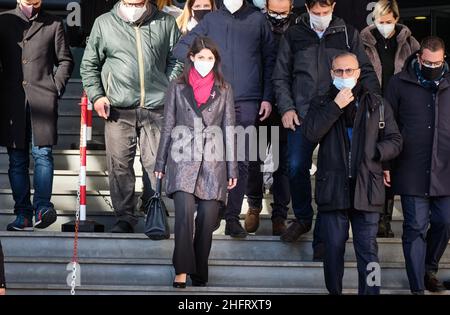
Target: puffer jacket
x=131, y=63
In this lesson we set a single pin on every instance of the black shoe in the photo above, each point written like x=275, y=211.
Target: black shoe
x=221, y=215
x=179, y=285
x=196, y=283
x=294, y=231
x=384, y=229
x=447, y=284
x=45, y=217
x=234, y=229
x=319, y=252
x=418, y=293
x=122, y=227
x=432, y=283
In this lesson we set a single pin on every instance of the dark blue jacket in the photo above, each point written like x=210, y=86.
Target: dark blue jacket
x=247, y=49
x=423, y=167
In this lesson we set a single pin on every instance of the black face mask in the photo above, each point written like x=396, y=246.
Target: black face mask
x=278, y=23
x=200, y=14
x=432, y=74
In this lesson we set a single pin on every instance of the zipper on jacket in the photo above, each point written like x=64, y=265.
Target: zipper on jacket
x=141, y=65
x=350, y=161
x=108, y=83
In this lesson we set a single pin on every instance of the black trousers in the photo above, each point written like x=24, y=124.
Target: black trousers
x=193, y=235
x=335, y=229
x=280, y=186
x=246, y=115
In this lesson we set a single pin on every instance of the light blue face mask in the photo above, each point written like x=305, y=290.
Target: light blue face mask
x=260, y=3
x=341, y=83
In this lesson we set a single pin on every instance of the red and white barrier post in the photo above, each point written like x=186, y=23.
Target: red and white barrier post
x=81, y=224
x=83, y=154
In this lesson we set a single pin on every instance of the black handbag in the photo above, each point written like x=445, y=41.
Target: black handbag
x=156, y=222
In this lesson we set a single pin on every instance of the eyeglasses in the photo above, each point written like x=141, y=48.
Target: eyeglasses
x=430, y=64
x=340, y=72
x=136, y=5
x=277, y=15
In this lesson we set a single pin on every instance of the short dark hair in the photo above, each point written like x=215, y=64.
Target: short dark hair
x=323, y=3
x=432, y=43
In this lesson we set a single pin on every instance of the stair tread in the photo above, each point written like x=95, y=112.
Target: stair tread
x=193, y=290
x=142, y=236
x=110, y=213
x=212, y=262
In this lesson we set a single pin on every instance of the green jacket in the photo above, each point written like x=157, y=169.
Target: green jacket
x=131, y=63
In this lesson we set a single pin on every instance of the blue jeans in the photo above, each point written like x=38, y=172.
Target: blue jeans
x=19, y=178
x=426, y=232
x=300, y=152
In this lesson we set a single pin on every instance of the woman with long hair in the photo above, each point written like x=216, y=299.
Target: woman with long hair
x=197, y=154
x=193, y=13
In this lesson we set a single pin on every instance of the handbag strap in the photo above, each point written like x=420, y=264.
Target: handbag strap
x=158, y=187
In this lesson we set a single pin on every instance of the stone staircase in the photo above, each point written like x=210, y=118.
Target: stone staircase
x=36, y=263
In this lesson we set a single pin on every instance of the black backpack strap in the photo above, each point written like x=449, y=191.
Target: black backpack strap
x=381, y=122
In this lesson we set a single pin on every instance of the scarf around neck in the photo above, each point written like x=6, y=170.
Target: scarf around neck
x=202, y=86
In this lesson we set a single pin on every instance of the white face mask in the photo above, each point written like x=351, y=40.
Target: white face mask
x=233, y=5
x=203, y=67
x=320, y=23
x=261, y=4
x=341, y=83
x=132, y=14
x=385, y=29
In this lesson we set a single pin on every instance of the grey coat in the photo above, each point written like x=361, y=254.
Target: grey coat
x=407, y=45
x=29, y=53
x=188, y=169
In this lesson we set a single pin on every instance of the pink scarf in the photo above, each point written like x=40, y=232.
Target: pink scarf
x=202, y=86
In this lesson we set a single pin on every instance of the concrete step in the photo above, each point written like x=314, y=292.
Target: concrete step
x=70, y=160
x=223, y=273
x=74, y=89
x=55, y=289
x=68, y=180
x=104, y=246
x=65, y=200
x=71, y=124
x=37, y=263
x=108, y=219
x=65, y=140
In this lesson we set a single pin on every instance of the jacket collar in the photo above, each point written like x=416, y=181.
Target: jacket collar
x=408, y=74
x=337, y=25
x=238, y=13
x=402, y=34
x=147, y=17
x=36, y=24
x=188, y=93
